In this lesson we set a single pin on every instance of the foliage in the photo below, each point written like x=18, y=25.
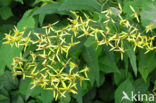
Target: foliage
x=47, y=48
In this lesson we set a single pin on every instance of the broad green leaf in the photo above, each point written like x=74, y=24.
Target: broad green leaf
x=80, y=5
x=4, y=91
x=107, y=62
x=66, y=99
x=5, y=13
x=121, y=76
x=20, y=99
x=5, y=2
x=24, y=88
x=78, y=96
x=46, y=96
x=4, y=29
x=27, y=21
x=127, y=8
x=8, y=82
x=148, y=14
x=47, y=9
x=125, y=87
x=106, y=92
x=6, y=54
x=132, y=57
x=91, y=59
x=20, y=1
x=88, y=98
x=141, y=86
x=154, y=86
x=63, y=7
x=102, y=79
x=41, y=18
x=90, y=41
x=31, y=101
x=97, y=101
x=146, y=64
x=4, y=99
x=36, y=91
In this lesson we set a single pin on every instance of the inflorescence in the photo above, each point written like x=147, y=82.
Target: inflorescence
x=49, y=65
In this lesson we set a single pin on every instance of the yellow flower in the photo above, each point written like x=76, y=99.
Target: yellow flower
x=149, y=28
x=135, y=14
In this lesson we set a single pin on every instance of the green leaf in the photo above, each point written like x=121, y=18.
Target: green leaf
x=8, y=82
x=5, y=13
x=47, y=9
x=148, y=14
x=126, y=87
x=90, y=41
x=4, y=29
x=36, y=91
x=132, y=57
x=91, y=58
x=20, y=99
x=80, y=5
x=46, y=96
x=5, y=2
x=27, y=21
x=146, y=65
x=127, y=8
x=121, y=76
x=154, y=86
x=4, y=99
x=106, y=92
x=141, y=86
x=107, y=62
x=31, y=101
x=20, y=1
x=102, y=79
x=89, y=96
x=66, y=99
x=7, y=53
x=41, y=18
x=63, y=7
x=25, y=88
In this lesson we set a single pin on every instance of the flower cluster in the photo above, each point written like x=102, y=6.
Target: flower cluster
x=49, y=64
